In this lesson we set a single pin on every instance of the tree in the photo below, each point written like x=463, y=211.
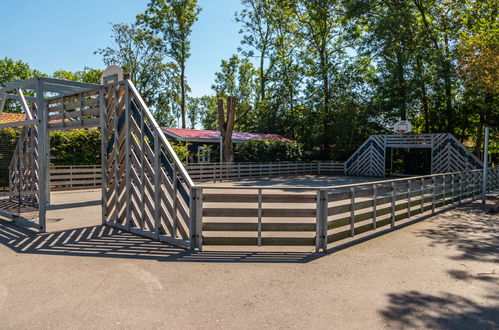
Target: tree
x=237, y=77
x=258, y=29
x=141, y=55
x=324, y=45
x=478, y=53
x=87, y=75
x=172, y=20
x=11, y=70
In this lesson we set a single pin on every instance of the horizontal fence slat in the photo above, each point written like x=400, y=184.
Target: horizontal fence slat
x=237, y=226
x=269, y=241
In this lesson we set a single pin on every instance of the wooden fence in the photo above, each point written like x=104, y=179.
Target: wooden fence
x=75, y=176
x=320, y=216
x=230, y=171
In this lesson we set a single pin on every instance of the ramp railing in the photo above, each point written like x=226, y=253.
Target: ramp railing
x=147, y=190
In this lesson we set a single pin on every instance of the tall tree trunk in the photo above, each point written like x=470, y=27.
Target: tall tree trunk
x=448, y=88
x=424, y=97
x=226, y=127
x=479, y=137
x=326, y=120
x=182, y=93
x=401, y=85
x=262, y=76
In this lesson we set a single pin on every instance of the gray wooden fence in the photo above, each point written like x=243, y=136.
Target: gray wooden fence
x=235, y=171
x=75, y=177
x=320, y=216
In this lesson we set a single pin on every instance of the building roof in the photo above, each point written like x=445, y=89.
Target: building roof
x=202, y=135
x=6, y=117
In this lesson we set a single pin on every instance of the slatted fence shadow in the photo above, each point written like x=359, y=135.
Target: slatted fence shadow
x=108, y=242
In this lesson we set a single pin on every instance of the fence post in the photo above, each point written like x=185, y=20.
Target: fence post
x=196, y=219
x=422, y=196
x=392, y=220
x=352, y=212
x=460, y=187
x=433, y=181
x=409, y=192
x=260, y=201
x=485, y=165
x=321, y=220
x=375, y=202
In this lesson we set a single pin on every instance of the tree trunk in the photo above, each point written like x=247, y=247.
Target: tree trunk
x=182, y=92
x=424, y=98
x=226, y=127
x=479, y=137
x=401, y=85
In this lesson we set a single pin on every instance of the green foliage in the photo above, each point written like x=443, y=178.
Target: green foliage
x=237, y=77
x=171, y=21
x=182, y=151
x=267, y=151
x=75, y=147
x=87, y=75
x=141, y=55
x=8, y=141
x=11, y=70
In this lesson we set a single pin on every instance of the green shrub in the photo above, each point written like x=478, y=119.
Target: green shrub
x=8, y=141
x=267, y=151
x=75, y=147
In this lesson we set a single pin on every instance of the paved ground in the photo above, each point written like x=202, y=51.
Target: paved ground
x=292, y=181
x=442, y=272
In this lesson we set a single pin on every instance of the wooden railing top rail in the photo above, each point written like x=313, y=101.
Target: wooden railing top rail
x=334, y=187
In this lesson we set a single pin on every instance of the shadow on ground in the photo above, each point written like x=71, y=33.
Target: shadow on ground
x=306, y=181
x=414, y=309
x=107, y=242
x=474, y=234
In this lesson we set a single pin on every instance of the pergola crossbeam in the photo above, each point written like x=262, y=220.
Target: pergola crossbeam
x=19, y=123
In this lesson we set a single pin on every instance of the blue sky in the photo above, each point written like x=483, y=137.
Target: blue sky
x=63, y=34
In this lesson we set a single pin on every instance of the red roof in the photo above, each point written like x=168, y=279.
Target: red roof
x=193, y=134
x=6, y=117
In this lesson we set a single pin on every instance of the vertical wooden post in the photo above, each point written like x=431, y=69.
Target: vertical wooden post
x=375, y=203
x=128, y=154
x=142, y=172
x=460, y=186
x=433, y=183
x=103, y=143
x=421, y=205
x=260, y=201
x=321, y=219
x=352, y=211
x=393, y=199
x=409, y=192
x=452, y=189
x=157, y=186
x=42, y=156
x=196, y=219
x=175, y=183
x=116, y=155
